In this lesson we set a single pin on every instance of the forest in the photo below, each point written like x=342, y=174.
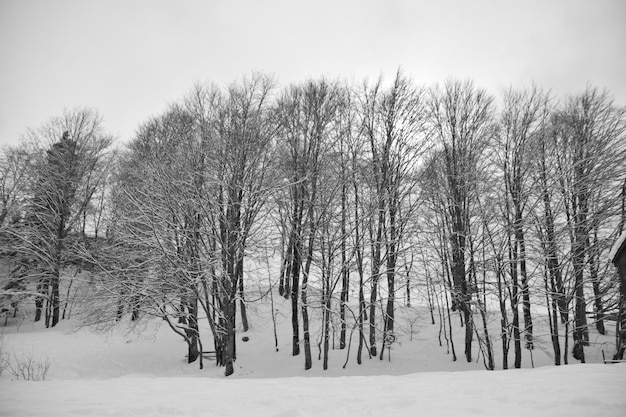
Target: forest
x=346, y=200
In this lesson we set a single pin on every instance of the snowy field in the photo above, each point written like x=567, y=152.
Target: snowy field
x=591, y=390
x=121, y=373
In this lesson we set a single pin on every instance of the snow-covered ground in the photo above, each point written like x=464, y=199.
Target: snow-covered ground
x=122, y=373
x=577, y=390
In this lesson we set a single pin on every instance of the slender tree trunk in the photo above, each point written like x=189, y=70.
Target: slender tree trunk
x=391, y=277
x=295, y=282
x=362, y=318
x=289, y=260
x=408, y=294
x=550, y=245
x=565, y=349
x=39, y=300
x=482, y=303
x=48, y=305
x=67, y=296
x=359, y=263
x=326, y=326
x=375, y=277
x=304, y=290
x=515, y=304
x=450, y=327
x=461, y=296
x=242, y=300
x=595, y=281
x=326, y=294
x=553, y=318
x=430, y=294
x=528, y=322
x=305, y=323
x=345, y=274
x=295, y=287
x=54, y=294
x=229, y=345
x=579, y=251
x=504, y=320
x=283, y=264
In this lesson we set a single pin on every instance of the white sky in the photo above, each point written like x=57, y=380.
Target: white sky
x=129, y=59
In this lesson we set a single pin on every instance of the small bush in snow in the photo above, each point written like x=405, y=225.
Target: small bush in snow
x=26, y=368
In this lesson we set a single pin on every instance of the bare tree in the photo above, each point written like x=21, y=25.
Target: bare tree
x=244, y=153
x=394, y=125
x=305, y=116
x=588, y=136
x=461, y=117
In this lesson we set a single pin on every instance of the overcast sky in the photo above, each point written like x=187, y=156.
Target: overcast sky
x=130, y=59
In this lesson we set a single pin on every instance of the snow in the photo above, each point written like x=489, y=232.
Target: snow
x=594, y=390
x=126, y=373
x=618, y=244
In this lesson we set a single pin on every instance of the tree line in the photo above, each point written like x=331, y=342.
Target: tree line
x=384, y=191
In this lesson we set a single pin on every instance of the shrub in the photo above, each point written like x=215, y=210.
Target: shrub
x=25, y=367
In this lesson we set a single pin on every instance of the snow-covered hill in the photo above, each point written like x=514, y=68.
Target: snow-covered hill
x=124, y=372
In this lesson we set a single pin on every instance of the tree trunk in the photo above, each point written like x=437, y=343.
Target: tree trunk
x=345, y=274
x=504, y=319
x=552, y=308
x=528, y=322
x=372, y=316
x=579, y=250
x=595, y=281
x=54, y=290
x=192, y=329
x=295, y=275
x=359, y=263
x=392, y=256
x=305, y=324
x=229, y=345
x=376, y=248
x=242, y=299
x=39, y=300
x=303, y=294
x=289, y=264
x=326, y=316
x=283, y=265
x=389, y=336
x=295, y=287
x=460, y=296
x=362, y=308
x=515, y=305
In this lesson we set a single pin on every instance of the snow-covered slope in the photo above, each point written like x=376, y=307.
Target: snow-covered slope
x=145, y=374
